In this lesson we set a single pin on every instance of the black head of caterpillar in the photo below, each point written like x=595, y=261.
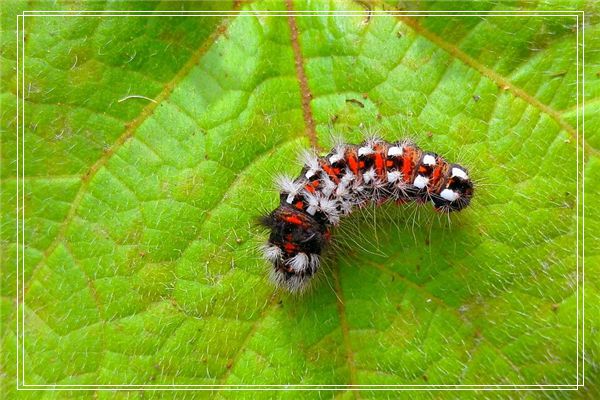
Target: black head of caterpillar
x=332, y=186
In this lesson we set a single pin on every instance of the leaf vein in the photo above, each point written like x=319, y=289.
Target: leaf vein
x=128, y=134
x=501, y=81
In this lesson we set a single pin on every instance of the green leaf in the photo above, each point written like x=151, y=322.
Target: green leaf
x=150, y=145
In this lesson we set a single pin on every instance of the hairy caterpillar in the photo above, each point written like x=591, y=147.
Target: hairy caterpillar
x=349, y=176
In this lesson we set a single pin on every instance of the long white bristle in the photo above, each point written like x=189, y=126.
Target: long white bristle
x=287, y=184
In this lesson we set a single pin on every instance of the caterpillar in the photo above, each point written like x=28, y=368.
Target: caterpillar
x=349, y=176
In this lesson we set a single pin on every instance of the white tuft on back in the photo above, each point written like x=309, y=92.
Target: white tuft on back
x=459, y=173
x=286, y=184
x=395, y=151
x=336, y=157
x=428, y=159
x=449, y=195
x=365, y=151
x=421, y=182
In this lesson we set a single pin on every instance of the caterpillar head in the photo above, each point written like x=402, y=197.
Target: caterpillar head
x=457, y=191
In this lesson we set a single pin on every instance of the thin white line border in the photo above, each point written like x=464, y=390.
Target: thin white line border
x=291, y=387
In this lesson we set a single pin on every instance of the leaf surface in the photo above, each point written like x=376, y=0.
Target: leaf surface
x=150, y=148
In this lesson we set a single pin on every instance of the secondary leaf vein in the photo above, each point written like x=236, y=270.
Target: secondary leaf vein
x=129, y=132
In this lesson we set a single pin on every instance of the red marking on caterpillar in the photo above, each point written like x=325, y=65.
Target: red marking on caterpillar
x=349, y=176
